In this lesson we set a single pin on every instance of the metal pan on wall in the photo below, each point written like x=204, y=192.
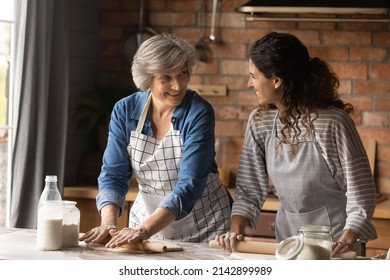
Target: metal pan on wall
x=135, y=39
x=202, y=45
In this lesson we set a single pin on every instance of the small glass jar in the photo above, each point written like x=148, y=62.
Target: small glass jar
x=70, y=224
x=311, y=243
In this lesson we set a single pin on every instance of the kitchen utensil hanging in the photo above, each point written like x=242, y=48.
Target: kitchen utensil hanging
x=202, y=45
x=134, y=40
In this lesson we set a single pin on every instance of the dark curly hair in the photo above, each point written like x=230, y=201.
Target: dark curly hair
x=309, y=84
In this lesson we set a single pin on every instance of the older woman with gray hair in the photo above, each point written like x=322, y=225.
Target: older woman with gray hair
x=164, y=136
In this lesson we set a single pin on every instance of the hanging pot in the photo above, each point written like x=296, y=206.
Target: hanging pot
x=134, y=40
x=202, y=45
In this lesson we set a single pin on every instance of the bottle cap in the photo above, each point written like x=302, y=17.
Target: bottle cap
x=51, y=178
x=289, y=248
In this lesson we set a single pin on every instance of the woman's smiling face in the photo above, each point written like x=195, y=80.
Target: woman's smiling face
x=266, y=89
x=170, y=88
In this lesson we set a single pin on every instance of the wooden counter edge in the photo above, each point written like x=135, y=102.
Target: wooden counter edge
x=90, y=192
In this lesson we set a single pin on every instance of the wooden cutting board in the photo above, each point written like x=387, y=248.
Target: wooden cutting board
x=145, y=247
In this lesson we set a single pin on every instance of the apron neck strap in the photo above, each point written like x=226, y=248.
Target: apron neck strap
x=144, y=113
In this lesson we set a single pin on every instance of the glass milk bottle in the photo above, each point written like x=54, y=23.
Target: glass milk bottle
x=70, y=224
x=49, y=217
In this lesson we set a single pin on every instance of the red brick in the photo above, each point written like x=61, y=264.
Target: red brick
x=209, y=67
x=307, y=37
x=382, y=38
x=180, y=5
x=370, y=54
x=191, y=34
x=331, y=38
x=230, y=20
x=372, y=87
x=359, y=103
x=227, y=113
x=350, y=70
x=345, y=87
x=275, y=25
x=234, y=67
x=232, y=82
x=330, y=53
x=380, y=71
x=319, y=25
x=361, y=26
x=381, y=135
x=172, y=19
x=247, y=97
x=249, y=35
x=228, y=128
x=374, y=119
x=231, y=51
x=382, y=104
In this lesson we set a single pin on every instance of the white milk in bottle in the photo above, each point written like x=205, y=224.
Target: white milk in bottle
x=49, y=217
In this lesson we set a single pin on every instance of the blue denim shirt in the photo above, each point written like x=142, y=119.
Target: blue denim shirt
x=194, y=118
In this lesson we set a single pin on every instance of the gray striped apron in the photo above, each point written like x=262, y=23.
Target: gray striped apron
x=156, y=165
x=309, y=195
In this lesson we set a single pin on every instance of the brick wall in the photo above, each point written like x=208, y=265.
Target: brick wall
x=358, y=52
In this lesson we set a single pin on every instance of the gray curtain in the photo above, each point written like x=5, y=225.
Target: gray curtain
x=41, y=76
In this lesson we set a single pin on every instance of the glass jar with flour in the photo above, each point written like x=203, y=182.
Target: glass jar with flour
x=311, y=243
x=71, y=224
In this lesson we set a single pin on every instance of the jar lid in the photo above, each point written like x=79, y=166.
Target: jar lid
x=69, y=203
x=289, y=248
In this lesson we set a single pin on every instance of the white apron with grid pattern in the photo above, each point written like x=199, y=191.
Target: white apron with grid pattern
x=156, y=165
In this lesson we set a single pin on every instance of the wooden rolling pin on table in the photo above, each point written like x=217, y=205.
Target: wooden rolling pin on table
x=251, y=246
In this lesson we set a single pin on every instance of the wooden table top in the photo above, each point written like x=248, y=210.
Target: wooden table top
x=20, y=244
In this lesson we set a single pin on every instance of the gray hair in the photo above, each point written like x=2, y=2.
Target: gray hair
x=160, y=54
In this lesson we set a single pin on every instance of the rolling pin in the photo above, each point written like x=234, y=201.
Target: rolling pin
x=248, y=246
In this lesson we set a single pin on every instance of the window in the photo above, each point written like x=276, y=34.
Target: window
x=6, y=32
